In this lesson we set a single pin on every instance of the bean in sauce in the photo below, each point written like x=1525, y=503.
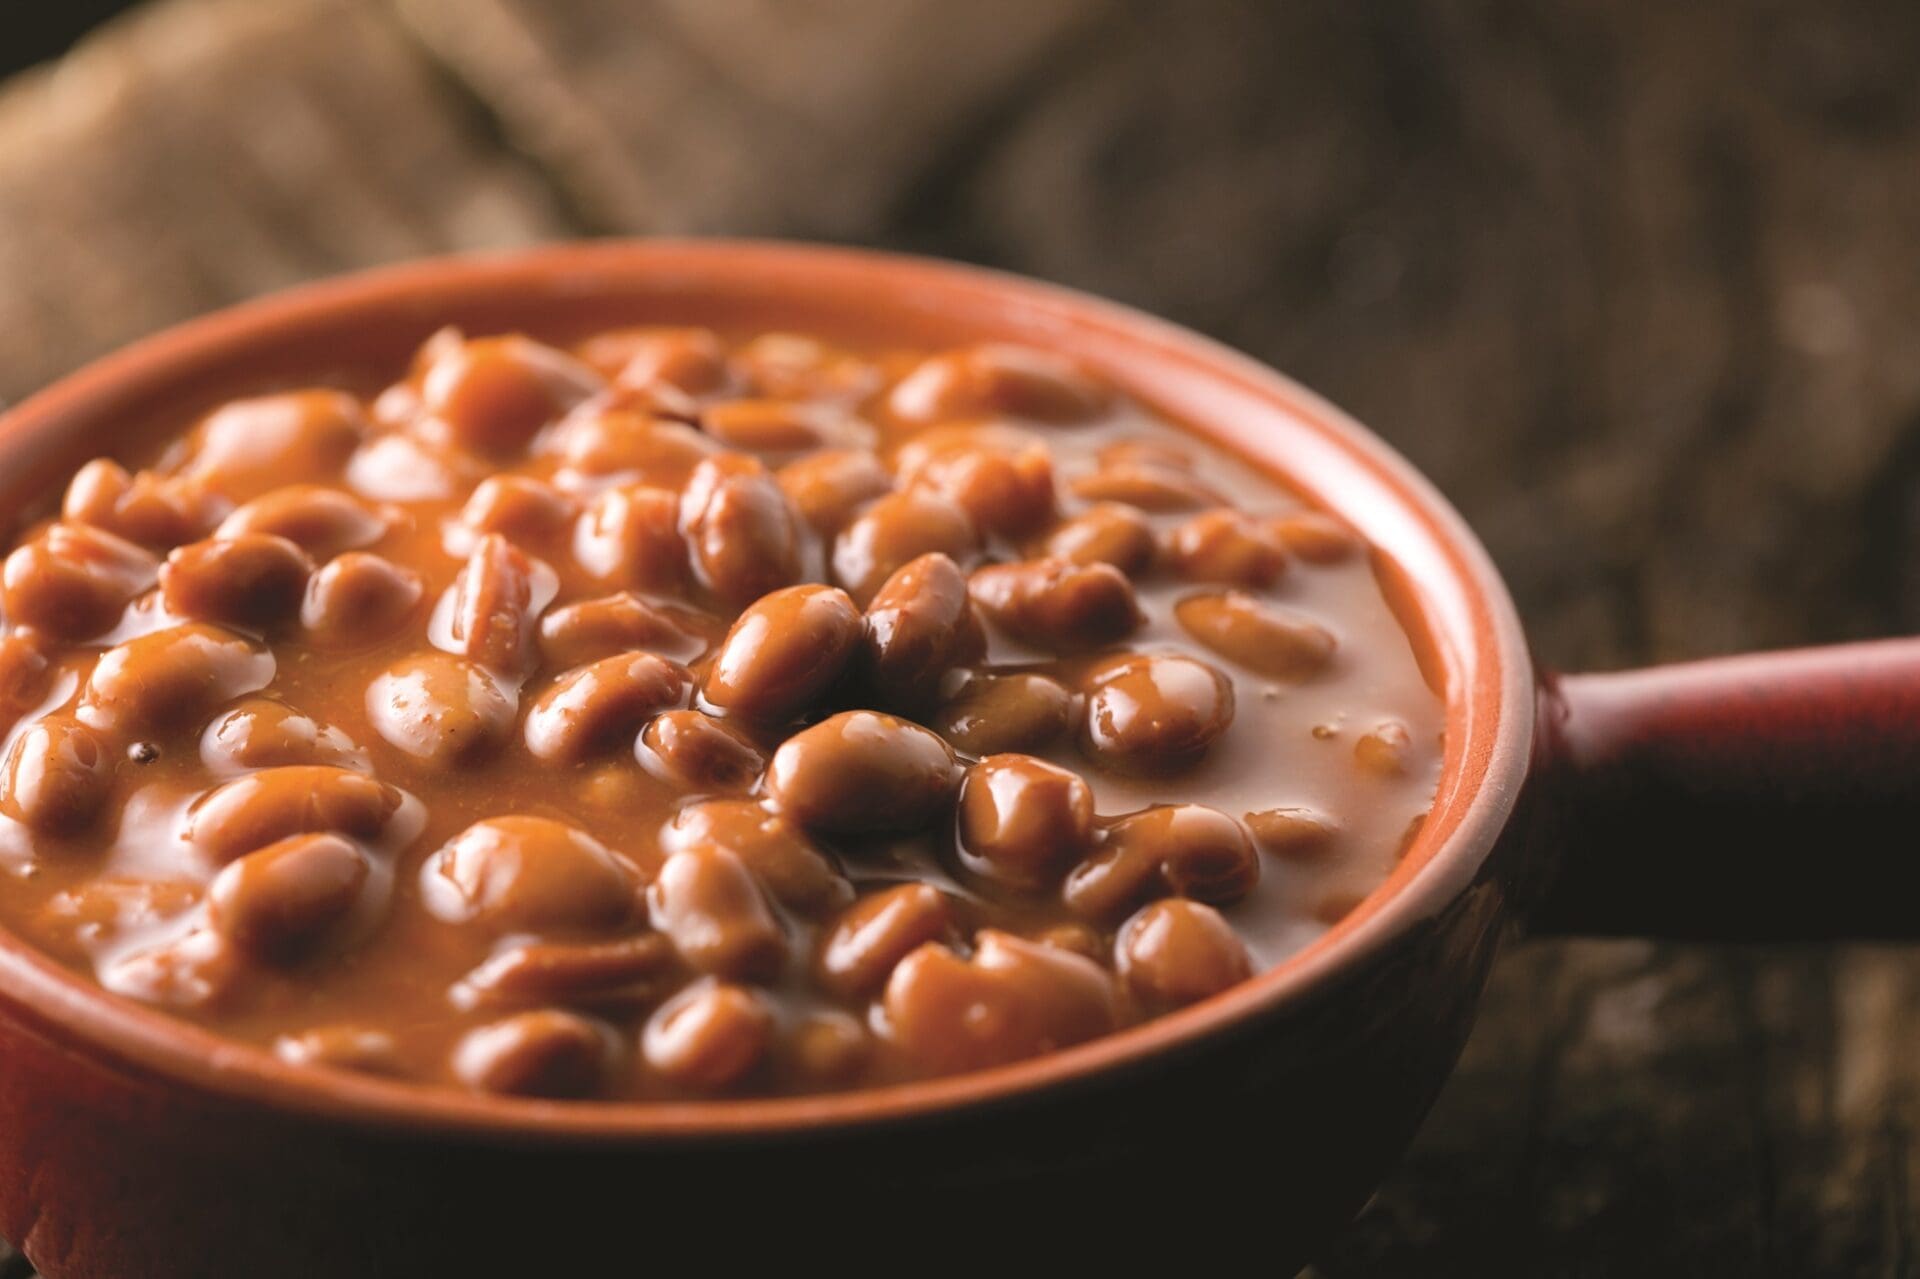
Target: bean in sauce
x=675, y=714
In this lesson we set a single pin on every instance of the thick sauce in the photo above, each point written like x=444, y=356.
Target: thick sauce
x=677, y=717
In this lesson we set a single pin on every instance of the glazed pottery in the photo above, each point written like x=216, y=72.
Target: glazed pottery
x=1754, y=797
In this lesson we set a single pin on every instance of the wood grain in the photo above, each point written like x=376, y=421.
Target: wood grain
x=1634, y=283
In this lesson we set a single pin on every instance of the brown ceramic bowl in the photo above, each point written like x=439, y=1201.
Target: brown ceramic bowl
x=1735, y=798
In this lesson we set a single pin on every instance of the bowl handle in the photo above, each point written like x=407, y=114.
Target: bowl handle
x=1767, y=797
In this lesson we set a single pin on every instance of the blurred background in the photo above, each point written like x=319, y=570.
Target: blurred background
x=1635, y=283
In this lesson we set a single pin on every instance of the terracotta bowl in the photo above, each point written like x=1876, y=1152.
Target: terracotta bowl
x=1750, y=797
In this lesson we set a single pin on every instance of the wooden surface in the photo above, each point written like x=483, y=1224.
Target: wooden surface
x=1636, y=284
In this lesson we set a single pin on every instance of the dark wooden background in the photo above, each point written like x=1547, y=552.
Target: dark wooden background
x=1636, y=283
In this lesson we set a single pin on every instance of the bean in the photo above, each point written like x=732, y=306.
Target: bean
x=828, y=1049
x=919, y=626
x=73, y=581
x=829, y=488
x=1263, y=638
x=250, y=447
x=709, y=905
x=493, y=605
x=521, y=873
x=401, y=468
x=924, y=448
x=251, y=580
x=1012, y=999
x=782, y=859
x=57, y=776
x=440, y=708
x=691, y=359
x=1003, y=491
x=1173, y=953
x=1058, y=605
x=696, y=752
x=784, y=652
x=589, y=630
x=1225, y=546
x=997, y=380
x=546, y=1053
x=520, y=509
x=631, y=537
x=597, y=708
x=992, y=714
x=261, y=733
x=251, y=812
x=863, y=773
x=1105, y=533
x=859, y=951
x=1184, y=849
x=321, y=521
x=1155, y=713
x=283, y=902
x=636, y=448
x=895, y=530
x=743, y=538
x=1146, y=486
x=1023, y=820
x=1292, y=832
x=799, y=367
x=777, y=427
x=708, y=1037
x=153, y=510
x=359, y=599
x=493, y=394
x=170, y=678
x=1315, y=538
x=630, y=969
x=1385, y=750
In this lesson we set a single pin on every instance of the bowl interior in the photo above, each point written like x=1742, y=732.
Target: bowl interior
x=357, y=332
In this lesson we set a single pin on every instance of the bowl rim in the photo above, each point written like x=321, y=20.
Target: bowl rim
x=1487, y=764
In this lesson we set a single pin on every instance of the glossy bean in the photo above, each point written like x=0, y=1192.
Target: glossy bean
x=252, y=580
x=57, y=777
x=708, y=1037
x=546, y=1053
x=693, y=751
x=1023, y=821
x=709, y=905
x=320, y=520
x=523, y=872
x=251, y=812
x=919, y=626
x=1262, y=637
x=1155, y=713
x=167, y=679
x=1058, y=605
x=860, y=772
x=73, y=581
x=282, y=902
x=784, y=652
x=1176, y=952
x=441, y=709
x=895, y=530
x=743, y=538
x=1012, y=999
x=602, y=707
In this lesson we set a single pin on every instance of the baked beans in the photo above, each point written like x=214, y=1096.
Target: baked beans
x=677, y=714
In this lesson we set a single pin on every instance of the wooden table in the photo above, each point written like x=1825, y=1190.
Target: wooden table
x=1637, y=284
